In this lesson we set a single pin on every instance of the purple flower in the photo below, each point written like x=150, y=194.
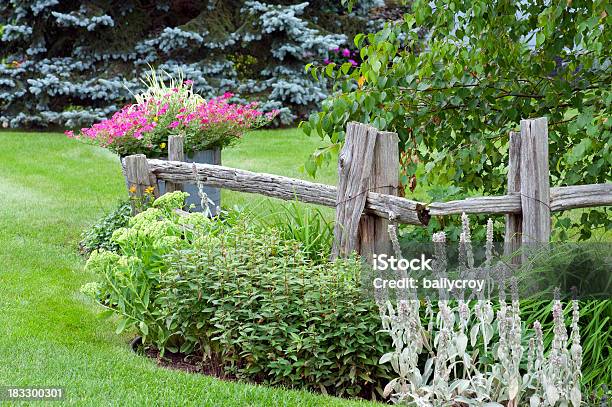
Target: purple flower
x=335, y=50
x=346, y=53
x=188, y=82
x=352, y=62
x=326, y=61
x=173, y=125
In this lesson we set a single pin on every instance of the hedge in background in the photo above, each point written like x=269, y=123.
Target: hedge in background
x=73, y=63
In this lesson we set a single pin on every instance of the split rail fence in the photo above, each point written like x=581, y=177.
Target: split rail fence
x=367, y=193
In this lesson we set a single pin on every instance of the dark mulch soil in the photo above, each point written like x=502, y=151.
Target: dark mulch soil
x=179, y=361
x=188, y=363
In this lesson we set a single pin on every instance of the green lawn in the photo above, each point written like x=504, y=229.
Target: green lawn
x=51, y=188
x=280, y=152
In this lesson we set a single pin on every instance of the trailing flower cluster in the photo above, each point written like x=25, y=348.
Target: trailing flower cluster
x=161, y=111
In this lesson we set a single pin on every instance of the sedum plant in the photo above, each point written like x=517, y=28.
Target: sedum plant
x=465, y=362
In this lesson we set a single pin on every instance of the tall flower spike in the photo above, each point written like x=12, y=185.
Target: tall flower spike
x=467, y=240
x=465, y=226
x=539, y=337
x=576, y=350
x=462, y=252
x=489, y=244
x=440, y=260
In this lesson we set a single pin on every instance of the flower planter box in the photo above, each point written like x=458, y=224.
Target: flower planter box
x=214, y=194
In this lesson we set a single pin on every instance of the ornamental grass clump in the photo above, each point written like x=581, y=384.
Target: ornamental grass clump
x=169, y=108
x=437, y=365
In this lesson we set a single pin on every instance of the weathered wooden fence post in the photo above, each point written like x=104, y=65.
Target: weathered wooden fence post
x=139, y=179
x=175, y=153
x=384, y=179
x=514, y=222
x=369, y=161
x=534, y=181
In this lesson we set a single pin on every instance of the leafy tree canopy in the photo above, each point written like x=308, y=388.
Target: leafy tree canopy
x=452, y=78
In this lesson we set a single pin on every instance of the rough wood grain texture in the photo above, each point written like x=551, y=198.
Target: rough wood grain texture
x=580, y=196
x=234, y=179
x=493, y=205
x=535, y=184
x=408, y=211
x=139, y=179
x=354, y=168
x=384, y=179
x=280, y=187
x=514, y=222
x=175, y=153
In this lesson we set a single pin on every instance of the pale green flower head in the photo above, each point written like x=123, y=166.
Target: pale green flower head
x=143, y=218
x=197, y=219
x=91, y=290
x=171, y=201
x=100, y=260
x=120, y=236
x=167, y=242
x=130, y=262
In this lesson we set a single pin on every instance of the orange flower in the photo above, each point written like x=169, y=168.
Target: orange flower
x=149, y=190
x=133, y=189
x=361, y=81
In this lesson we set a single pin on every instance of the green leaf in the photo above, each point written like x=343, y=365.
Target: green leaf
x=143, y=328
x=580, y=150
x=121, y=326
x=540, y=38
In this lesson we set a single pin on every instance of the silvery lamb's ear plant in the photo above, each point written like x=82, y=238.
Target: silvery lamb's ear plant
x=478, y=370
x=555, y=380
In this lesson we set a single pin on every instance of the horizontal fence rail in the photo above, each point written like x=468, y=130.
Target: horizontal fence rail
x=407, y=211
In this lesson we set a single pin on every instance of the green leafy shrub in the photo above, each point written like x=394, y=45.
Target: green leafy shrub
x=453, y=96
x=248, y=296
x=245, y=296
x=98, y=236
